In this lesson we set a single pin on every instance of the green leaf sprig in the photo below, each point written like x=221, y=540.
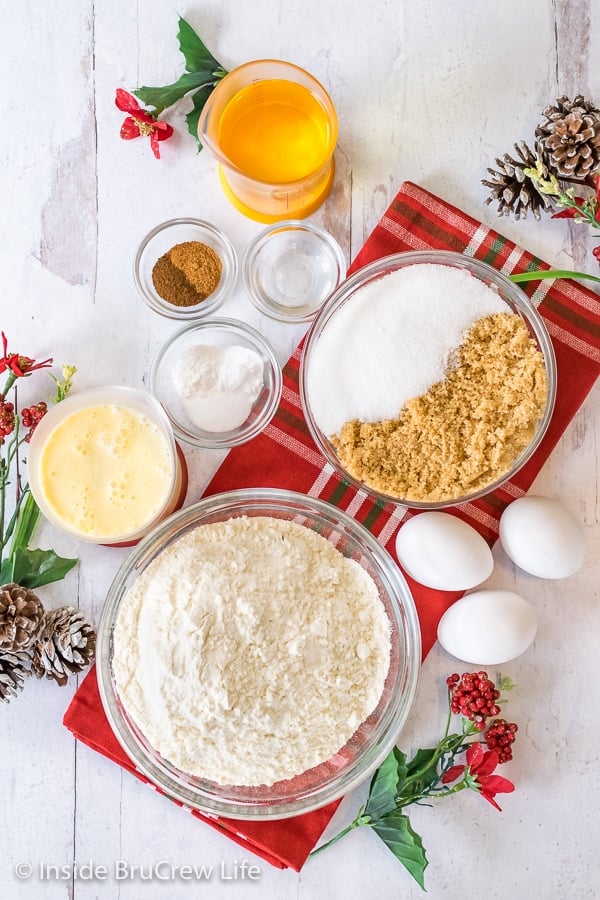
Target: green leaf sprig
x=430, y=775
x=202, y=74
x=540, y=274
x=18, y=563
x=33, y=641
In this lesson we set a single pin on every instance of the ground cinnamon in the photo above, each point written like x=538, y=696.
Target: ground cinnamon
x=187, y=274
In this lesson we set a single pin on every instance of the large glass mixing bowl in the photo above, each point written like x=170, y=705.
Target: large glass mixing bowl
x=374, y=738
x=313, y=389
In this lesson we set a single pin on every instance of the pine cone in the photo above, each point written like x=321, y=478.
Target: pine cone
x=513, y=190
x=14, y=669
x=20, y=614
x=570, y=137
x=65, y=645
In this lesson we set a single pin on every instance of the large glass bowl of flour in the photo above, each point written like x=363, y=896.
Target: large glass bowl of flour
x=370, y=740
x=428, y=379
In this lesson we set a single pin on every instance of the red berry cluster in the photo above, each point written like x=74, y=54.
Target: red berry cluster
x=32, y=415
x=499, y=737
x=7, y=419
x=473, y=696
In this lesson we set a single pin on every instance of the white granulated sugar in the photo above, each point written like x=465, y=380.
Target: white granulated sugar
x=251, y=650
x=392, y=341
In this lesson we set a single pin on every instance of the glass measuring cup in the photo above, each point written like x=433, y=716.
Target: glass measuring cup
x=273, y=128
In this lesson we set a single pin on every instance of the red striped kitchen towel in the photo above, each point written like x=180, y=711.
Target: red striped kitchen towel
x=284, y=456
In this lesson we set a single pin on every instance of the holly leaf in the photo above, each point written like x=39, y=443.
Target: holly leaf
x=28, y=515
x=6, y=571
x=422, y=759
x=203, y=73
x=161, y=97
x=424, y=762
x=199, y=98
x=382, y=793
x=33, y=568
x=197, y=56
x=396, y=832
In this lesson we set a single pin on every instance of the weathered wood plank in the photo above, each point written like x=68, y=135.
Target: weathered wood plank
x=431, y=92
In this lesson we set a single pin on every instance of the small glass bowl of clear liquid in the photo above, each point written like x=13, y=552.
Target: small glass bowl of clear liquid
x=291, y=268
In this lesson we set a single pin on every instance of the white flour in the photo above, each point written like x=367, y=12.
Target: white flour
x=251, y=650
x=392, y=341
x=218, y=385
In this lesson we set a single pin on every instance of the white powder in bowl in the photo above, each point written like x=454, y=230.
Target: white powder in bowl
x=251, y=650
x=218, y=385
x=391, y=341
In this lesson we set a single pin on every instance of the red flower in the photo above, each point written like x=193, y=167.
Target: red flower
x=596, y=252
x=140, y=122
x=479, y=768
x=19, y=365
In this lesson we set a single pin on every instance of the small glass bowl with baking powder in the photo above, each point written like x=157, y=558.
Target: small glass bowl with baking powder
x=160, y=241
x=290, y=269
x=231, y=345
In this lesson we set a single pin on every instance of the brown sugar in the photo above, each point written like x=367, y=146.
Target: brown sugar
x=187, y=274
x=467, y=430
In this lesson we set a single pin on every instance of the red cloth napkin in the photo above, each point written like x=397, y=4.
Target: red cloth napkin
x=284, y=456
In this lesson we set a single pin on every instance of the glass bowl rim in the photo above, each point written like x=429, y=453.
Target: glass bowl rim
x=229, y=275
x=250, y=256
x=220, y=440
x=385, y=264
x=400, y=702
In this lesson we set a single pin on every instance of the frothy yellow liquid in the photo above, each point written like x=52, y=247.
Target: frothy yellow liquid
x=275, y=131
x=106, y=472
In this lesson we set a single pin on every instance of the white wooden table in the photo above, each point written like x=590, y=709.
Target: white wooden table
x=429, y=91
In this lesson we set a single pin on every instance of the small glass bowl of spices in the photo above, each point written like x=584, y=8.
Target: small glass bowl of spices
x=185, y=268
x=219, y=382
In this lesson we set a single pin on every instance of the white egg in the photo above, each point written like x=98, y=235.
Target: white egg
x=542, y=537
x=441, y=551
x=488, y=627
